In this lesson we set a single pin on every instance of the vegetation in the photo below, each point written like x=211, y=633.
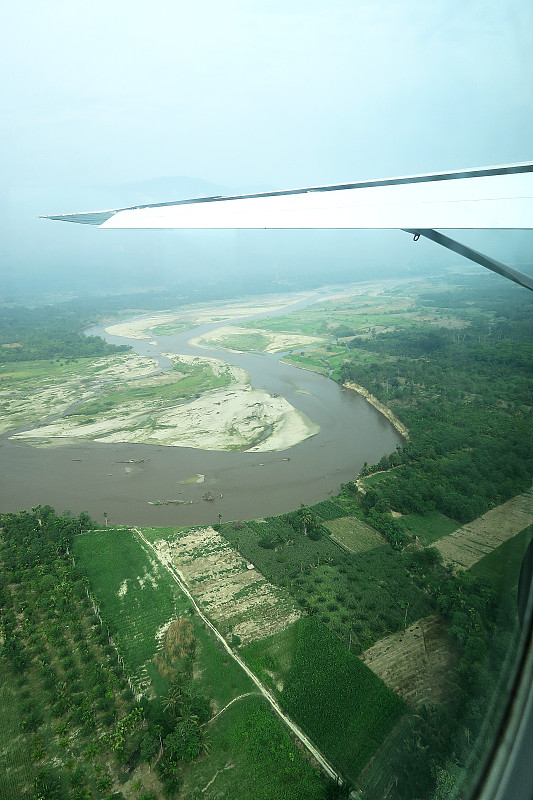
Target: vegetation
x=49, y=332
x=253, y=758
x=465, y=397
x=137, y=593
x=191, y=379
x=345, y=708
x=359, y=596
x=70, y=696
x=80, y=608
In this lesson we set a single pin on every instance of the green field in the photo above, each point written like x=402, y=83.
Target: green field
x=428, y=527
x=502, y=566
x=345, y=709
x=252, y=757
x=136, y=593
x=342, y=705
x=168, y=328
x=354, y=535
x=241, y=341
x=271, y=658
x=50, y=371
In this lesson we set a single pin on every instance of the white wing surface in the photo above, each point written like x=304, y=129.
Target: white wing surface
x=484, y=198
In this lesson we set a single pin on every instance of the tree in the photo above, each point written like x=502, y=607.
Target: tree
x=149, y=747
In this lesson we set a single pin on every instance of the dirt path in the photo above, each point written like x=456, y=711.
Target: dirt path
x=240, y=697
x=467, y=545
x=267, y=694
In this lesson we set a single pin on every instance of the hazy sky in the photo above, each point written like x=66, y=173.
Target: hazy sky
x=246, y=94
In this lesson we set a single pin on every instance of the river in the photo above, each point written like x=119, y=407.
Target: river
x=124, y=479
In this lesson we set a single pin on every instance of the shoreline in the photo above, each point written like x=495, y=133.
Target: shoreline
x=379, y=406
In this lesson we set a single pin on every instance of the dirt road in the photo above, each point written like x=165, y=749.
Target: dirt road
x=267, y=694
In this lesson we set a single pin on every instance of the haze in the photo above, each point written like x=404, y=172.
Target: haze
x=120, y=103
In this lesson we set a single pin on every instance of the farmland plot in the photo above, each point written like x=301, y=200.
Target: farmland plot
x=414, y=663
x=354, y=535
x=136, y=592
x=469, y=544
x=237, y=598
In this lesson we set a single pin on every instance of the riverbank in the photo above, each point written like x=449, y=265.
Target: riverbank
x=379, y=406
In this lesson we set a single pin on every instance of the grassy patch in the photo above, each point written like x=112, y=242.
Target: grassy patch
x=242, y=342
x=378, y=477
x=343, y=706
x=309, y=361
x=221, y=678
x=198, y=378
x=271, y=658
x=51, y=371
x=502, y=566
x=137, y=593
x=354, y=535
x=252, y=758
x=429, y=527
x=169, y=328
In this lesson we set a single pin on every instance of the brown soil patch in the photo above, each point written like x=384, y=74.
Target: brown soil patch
x=414, y=663
x=178, y=646
x=467, y=545
x=239, y=600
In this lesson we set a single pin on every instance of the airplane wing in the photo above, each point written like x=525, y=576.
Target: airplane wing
x=484, y=198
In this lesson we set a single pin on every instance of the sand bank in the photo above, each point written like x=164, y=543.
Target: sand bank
x=192, y=316
x=228, y=337
x=236, y=417
x=381, y=407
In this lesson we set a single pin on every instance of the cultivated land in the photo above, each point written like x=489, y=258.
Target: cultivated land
x=134, y=590
x=415, y=663
x=353, y=534
x=467, y=545
x=230, y=590
x=330, y=591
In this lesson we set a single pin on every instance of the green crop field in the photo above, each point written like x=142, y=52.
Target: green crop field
x=344, y=707
x=327, y=509
x=136, y=593
x=354, y=535
x=429, y=527
x=271, y=658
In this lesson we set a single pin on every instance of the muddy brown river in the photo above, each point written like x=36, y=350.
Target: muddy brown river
x=124, y=479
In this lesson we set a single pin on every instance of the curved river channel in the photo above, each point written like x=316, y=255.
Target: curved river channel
x=124, y=479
